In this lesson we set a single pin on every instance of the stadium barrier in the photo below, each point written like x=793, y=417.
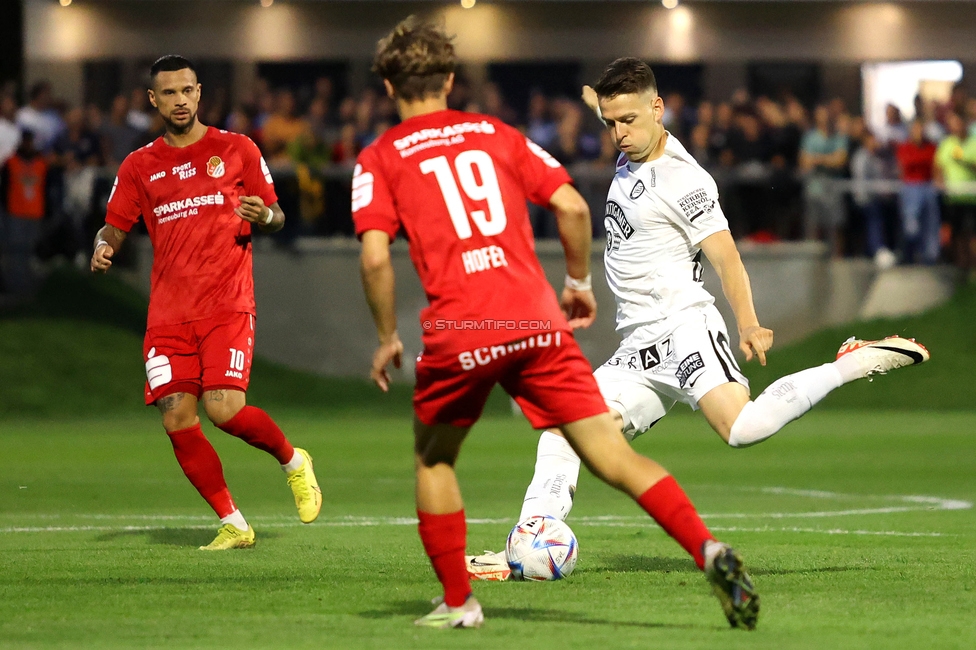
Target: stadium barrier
x=312, y=314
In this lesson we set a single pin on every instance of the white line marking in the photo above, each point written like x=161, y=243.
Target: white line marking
x=618, y=522
x=917, y=503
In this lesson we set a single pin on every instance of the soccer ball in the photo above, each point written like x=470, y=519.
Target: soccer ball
x=541, y=548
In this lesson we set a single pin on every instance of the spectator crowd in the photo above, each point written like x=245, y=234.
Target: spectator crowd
x=905, y=192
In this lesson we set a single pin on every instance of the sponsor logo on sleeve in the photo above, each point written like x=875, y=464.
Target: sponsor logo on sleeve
x=689, y=370
x=362, y=188
x=266, y=171
x=542, y=153
x=215, y=167
x=696, y=204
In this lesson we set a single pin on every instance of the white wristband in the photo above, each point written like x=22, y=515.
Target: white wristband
x=100, y=242
x=269, y=219
x=586, y=284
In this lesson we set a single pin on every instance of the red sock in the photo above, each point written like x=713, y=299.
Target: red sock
x=256, y=428
x=670, y=507
x=444, y=537
x=202, y=466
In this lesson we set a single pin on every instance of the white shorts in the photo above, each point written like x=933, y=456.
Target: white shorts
x=656, y=367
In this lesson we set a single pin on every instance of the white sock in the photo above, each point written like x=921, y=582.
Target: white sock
x=295, y=463
x=782, y=402
x=235, y=518
x=556, y=472
x=849, y=368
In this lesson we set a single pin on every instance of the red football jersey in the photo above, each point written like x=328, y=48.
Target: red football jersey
x=456, y=184
x=187, y=197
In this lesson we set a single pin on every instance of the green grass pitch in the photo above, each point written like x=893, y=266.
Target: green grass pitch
x=99, y=533
x=855, y=521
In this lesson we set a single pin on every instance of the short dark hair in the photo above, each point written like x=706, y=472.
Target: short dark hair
x=169, y=63
x=416, y=58
x=626, y=76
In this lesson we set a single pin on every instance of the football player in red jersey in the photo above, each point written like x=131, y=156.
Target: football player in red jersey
x=456, y=185
x=200, y=191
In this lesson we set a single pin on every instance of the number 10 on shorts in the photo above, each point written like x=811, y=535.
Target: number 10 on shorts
x=237, y=360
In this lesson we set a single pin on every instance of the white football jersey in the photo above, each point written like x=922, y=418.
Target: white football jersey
x=657, y=215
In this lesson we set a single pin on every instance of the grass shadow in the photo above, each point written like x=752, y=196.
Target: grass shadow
x=809, y=571
x=418, y=608
x=643, y=564
x=180, y=537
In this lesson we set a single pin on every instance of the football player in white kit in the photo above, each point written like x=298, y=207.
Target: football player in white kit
x=662, y=213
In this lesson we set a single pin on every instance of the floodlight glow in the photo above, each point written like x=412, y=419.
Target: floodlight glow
x=65, y=3
x=669, y=4
x=467, y=4
x=267, y=3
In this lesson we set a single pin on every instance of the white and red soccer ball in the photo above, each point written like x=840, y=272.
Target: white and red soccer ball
x=541, y=548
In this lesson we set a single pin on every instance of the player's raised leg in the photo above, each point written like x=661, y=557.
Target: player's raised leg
x=742, y=422
x=442, y=527
x=229, y=411
x=201, y=465
x=609, y=456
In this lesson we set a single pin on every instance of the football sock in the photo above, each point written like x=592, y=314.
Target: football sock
x=553, y=485
x=295, y=463
x=444, y=538
x=256, y=428
x=201, y=465
x=235, y=518
x=670, y=507
x=782, y=402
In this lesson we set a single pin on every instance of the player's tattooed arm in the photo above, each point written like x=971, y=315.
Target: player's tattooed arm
x=253, y=209
x=107, y=242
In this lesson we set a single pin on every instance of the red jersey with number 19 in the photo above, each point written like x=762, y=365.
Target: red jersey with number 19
x=187, y=197
x=456, y=184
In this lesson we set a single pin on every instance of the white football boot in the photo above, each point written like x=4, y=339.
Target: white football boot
x=881, y=357
x=490, y=566
x=467, y=615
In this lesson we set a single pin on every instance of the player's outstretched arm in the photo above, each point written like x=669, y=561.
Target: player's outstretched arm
x=107, y=242
x=269, y=218
x=379, y=284
x=573, y=220
x=720, y=250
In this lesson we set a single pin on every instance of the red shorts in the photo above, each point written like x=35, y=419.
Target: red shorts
x=208, y=354
x=546, y=374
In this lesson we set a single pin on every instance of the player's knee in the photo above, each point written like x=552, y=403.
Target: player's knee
x=222, y=405
x=178, y=411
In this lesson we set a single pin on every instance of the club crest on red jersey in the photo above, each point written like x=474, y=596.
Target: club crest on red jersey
x=215, y=167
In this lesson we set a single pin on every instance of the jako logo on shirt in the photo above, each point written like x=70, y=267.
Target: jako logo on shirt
x=158, y=370
x=157, y=176
x=195, y=202
x=215, y=167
